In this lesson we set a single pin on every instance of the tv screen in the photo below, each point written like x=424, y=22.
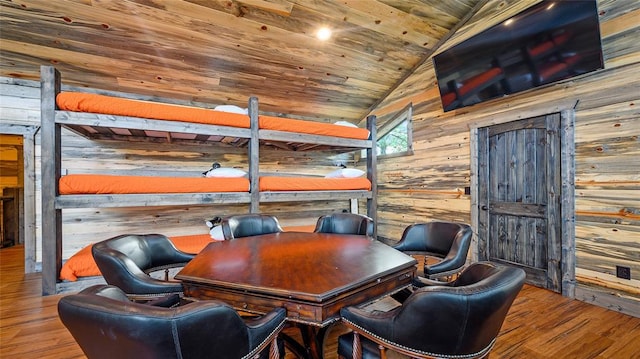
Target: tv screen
x=550, y=41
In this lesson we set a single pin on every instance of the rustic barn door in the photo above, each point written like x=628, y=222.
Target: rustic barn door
x=519, y=186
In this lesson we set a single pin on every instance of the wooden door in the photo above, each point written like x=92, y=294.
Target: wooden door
x=519, y=191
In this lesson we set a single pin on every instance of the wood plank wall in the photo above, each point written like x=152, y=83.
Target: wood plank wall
x=430, y=184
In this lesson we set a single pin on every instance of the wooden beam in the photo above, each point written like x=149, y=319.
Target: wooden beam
x=51, y=216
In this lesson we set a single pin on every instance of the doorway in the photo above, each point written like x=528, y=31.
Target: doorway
x=11, y=189
x=524, y=198
x=22, y=189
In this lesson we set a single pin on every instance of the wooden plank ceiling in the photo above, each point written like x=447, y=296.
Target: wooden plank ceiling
x=223, y=51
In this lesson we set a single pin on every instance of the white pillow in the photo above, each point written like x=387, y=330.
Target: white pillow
x=216, y=233
x=345, y=123
x=226, y=172
x=232, y=109
x=345, y=173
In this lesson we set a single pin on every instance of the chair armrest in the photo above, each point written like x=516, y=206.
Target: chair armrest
x=420, y=282
x=376, y=322
x=265, y=329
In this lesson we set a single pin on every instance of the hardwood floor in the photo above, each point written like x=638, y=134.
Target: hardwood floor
x=541, y=324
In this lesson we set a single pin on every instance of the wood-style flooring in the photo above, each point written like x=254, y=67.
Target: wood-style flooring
x=540, y=324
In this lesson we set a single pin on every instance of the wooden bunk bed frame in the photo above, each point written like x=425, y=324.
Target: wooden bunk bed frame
x=98, y=126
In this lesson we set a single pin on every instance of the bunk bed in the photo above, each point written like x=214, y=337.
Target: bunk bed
x=130, y=118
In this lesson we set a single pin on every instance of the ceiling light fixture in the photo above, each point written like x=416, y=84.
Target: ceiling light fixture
x=324, y=33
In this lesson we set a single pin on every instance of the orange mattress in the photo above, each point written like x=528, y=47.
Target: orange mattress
x=313, y=184
x=82, y=264
x=110, y=184
x=86, y=102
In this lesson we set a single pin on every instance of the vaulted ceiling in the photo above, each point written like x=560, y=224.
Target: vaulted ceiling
x=223, y=51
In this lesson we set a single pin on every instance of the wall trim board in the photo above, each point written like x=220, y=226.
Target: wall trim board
x=608, y=300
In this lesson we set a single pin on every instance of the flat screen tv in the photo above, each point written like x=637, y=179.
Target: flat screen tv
x=548, y=42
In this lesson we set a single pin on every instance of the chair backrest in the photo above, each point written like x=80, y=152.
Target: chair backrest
x=246, y=225
x=433, y=237
x=106, y=325
x=451, y=320
x=126, y=260
x=448, y=240
x=345, y=223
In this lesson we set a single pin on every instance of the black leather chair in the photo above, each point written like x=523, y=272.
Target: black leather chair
x=107, y=325
x=127, y=260
x=246, y=225
x=447, y=241
x=345, y=223
x=458, y=319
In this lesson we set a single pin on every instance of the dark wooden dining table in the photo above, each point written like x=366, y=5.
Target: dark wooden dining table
x=311, y=275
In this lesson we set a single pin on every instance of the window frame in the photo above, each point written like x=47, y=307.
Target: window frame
x=406, y=114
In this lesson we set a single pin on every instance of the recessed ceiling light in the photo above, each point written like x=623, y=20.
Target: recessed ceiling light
x=324, y=33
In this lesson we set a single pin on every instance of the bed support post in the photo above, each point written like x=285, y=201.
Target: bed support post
x=372, y=174
x=51, y=169
x=254, y=156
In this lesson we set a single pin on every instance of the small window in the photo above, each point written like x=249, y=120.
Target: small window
x=395, y=138
x=395, y=141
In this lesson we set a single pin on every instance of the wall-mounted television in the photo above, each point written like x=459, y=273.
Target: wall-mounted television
x=548, y=42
